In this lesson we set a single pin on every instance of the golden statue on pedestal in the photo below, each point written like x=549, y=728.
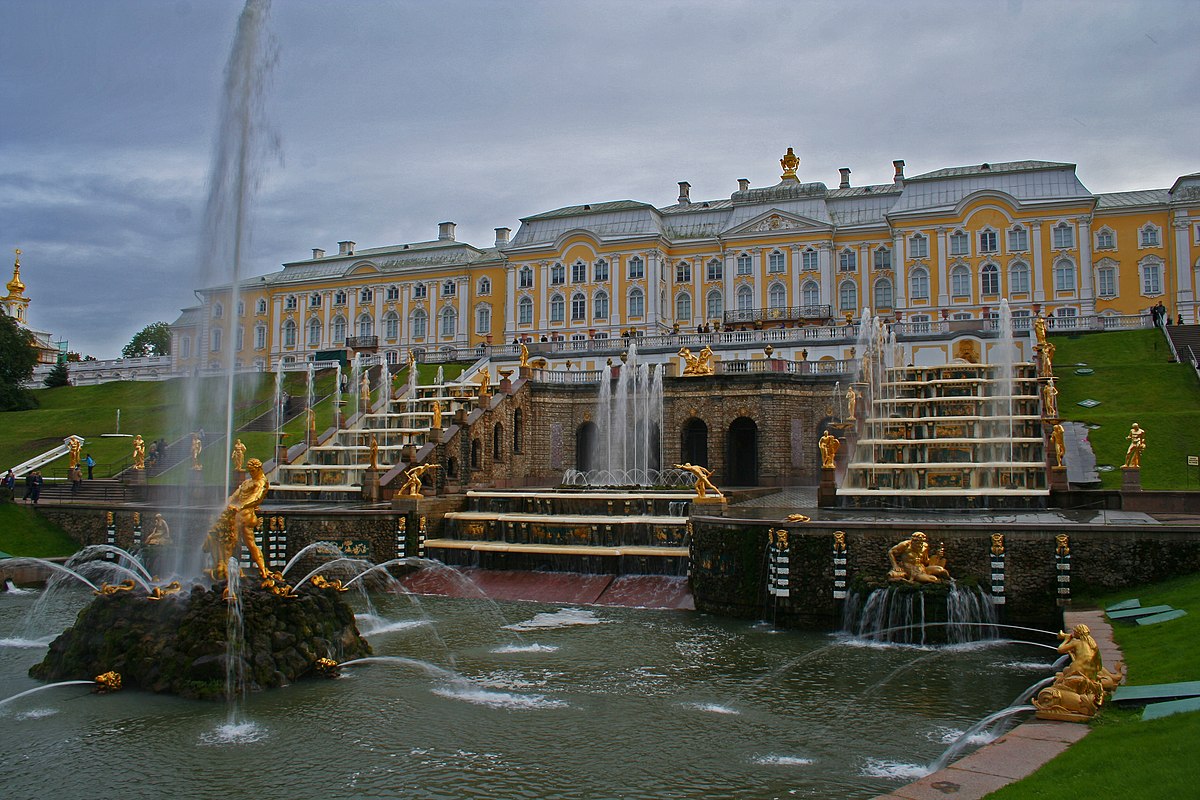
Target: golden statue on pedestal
x=852, y=396
x=374, y=450
x=697, y=364
x=524, y=355
x=1078, y=691
x=237, y=523
x=412, y=480
x=1050, y=400
x=703, y=485
x=1045, y=353
x=912, y=562
x=311, y=422
x=1137, y=443
x=829, y=445
x=74, y=445
x=1039, y=330
x=197, y=446
x=1056, y=440
x=139, y=452
x=437, y=415
x=790, y=162
x=485, y=381
x=238, y=456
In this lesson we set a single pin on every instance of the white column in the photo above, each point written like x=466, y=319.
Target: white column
x=1039, y=285
x=866, y=297
x=1087, y=291
x=542, y=282
x=405, y=330
x=825, y=261
x=510, y=301
x=757, y=270
x=794, y=268
x=1185, y=302
x=943, y=295
x=898, y=262
x=727, y=276
x=653, y=272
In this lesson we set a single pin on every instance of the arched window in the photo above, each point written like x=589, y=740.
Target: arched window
x=1106, y=279
x=1064, y=275
x=366, y=325
x=497, y=442
x=518, y=426
x=558, y=275
x=600, y=305
x=578, y=307
x=918, y=246
x=1018, y=278
x=683, y=307
x=776, y=296
x=715, y=271
x=848, y=296
x=558, y=308
x=847, y=260
x=918, y=284
x=392, y=294
x=218, y=311
x=579, y=272
x=600, y=270
x=989, y=279
x=449, y=322
x=420, y=324
x=339, y=330
x=241, y=337
x=989, y=242
x=391, y=326
x=1106, y=239
x=883, y=293
x=339, y=298
x=809, y=260
x=485, y=286
x=419, y=291
x=314, y=332
x=215, y=340
x=483, y=319
x=261, y=306
x=1148, y=236
x=960, y=244
x=960, y=281
x=1018, y=239
x=637, y=303
x=810, y=293
x=714, y=305
x=525, y=311
x=449, y=288
x=883, y=258
x=260, y=337
x=476, y=454
x=745, y=298
x=1064, y=236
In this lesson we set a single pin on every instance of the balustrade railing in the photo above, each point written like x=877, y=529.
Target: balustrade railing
x=778, y=314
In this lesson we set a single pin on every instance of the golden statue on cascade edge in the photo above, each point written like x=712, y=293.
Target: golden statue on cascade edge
x=829, y=445
x=1079, y=690
x=1137, y=443
x=139, y=452
x=697, y=364
x=913, y=563
x=704, y=487
x=412, y=480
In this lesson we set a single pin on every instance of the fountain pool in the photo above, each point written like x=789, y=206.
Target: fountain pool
x=468, y=698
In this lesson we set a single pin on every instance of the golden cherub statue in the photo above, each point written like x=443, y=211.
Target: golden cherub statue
x=1056, y=440
x=238, y=456
x=412, y=480
x=912, y=563
x=139, y=452
x=1078, y=691
x=703, y=485
x=237, y=523
x=789, y=162
x=1137, y=443
x=829, y=445
x=197, y=446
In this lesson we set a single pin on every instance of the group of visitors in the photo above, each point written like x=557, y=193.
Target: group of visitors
x=1160, y=316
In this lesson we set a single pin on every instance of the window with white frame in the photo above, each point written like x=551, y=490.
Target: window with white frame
x=185, y=347
x=1063, y=236
x=683, y=272
x=339, y=297
x=988, y=241
x=289, y=333
x=637, y=303
x=962, y=315
x=314, y=300
x=261, y=306
x=484, y=287
x=960, y=244
x=810, y=260
x=366, y=326
x=365, y=296
x=918, y=246
x=960, y=281
x=1106, y=280
x=810, y=293
x=579, y=272
x=776, y=296
x=314, y=332
x=918, y=284
x=449, y=324
x=848, y=296
x=715, y=270
x=714, y=305
x=745, y=299
x=578, y=307
x=391, y=326
x=1018, y=278
x=525, y=311
x=392, y=294
x=1018, y=239
x=600, y=305
x=241, y=308
x=745, y=264
x=883, y=293
x=989, y=279
x=338, y=330
x=525, y=278
x=919, y=323
x=847, y=260
x=600, y=270
x=1106, y=239
x=214, y=339
x=392, y=357
x=260, y=337
x=240, y=337
x=420, y=324
x=1151, y=277
x=683, y=307
x=1065, y=317
x=883, y=258
x=449, y=288
x=1149, y=236
x=637, y=268
x=483, y=319
x=1064, y=275
x=558, y=308
x=775, y=262
x=558, y=275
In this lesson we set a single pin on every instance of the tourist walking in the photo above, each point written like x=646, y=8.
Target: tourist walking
x=91, y=463
x=33, y=486
x=9, y=482
x=76, y=476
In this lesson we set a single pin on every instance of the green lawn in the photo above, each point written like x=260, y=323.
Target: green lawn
x=1135, y=382
x=1124, y=758
x=24, y=533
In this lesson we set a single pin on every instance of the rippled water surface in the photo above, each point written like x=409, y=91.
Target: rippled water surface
x=475, y=700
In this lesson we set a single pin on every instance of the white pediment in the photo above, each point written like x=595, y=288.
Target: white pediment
x=776, y=220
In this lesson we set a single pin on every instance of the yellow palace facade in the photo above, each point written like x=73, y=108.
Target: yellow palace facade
x=942, y=247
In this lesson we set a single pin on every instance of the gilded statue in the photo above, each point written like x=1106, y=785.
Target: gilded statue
x=311, y=421
x=1079, y=690
x=197, y=446
x=1137, y=443
x=160, y=532
x=697, y=363
x=485, y=381
x=1045, y=358
x=237, y=523
x=74, y=445
x=829, y=445
x=798, y=518
x=364, y=387
x=1050, y=400
x=997, y=544
x=412, y=480
x=852, y=396
x=524, y=355
x=703, y=485
x=790, y=162
x=238, y=456
x=139, y=452
x=107, y=682
x=159, y=592
x=912, y=562
x=437, y=415
x=374, y=449
x=1039, y=329
x=1056, y=440
x=111, y=588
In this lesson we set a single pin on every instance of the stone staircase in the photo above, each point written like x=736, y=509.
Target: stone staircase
x=1186, y=341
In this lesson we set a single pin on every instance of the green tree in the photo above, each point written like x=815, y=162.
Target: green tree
x=152, y=340
x=17, y=359
x=59, y=376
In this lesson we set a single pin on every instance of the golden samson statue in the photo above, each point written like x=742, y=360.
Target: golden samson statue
x=237, y=523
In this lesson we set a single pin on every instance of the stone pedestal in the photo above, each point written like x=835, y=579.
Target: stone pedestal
x=505, y=386
x=370, y=486
x=1131, y=479
x=135, y=483
x=408, y=453
x=711, y=506
x=460, y=416
x=409, y=505
x=434, y=435
x=525, y=371
x=281, y=454
x=827, y=489
x=1058, y=479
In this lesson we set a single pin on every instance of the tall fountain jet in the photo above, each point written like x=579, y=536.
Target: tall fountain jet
x=626, y=450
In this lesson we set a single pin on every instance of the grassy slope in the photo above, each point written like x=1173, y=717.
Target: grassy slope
x=1124, y=758
x=1134, y=382
x=24, y=533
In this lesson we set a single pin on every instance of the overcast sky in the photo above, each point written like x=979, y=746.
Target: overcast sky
x=390, y=117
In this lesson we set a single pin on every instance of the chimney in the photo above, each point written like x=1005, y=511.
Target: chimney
x=899, y=165
x=845, y=184
x=446, y=231
x=502, y=236
x=743, y=184
x=345, y=248
x=318, y=253
x=685, y=190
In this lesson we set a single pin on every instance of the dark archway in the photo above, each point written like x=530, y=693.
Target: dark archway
x=741, y=457
x=693, y=443
x=476, y=459
x=498, y=442
x=585, y=441
x=518, y=431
